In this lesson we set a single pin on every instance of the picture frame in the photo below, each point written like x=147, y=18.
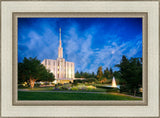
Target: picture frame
x=71, y=102
x=11, y=10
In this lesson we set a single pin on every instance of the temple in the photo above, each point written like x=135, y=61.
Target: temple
x=62, y=70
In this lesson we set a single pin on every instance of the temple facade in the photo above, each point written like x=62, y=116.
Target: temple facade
x=62, y=70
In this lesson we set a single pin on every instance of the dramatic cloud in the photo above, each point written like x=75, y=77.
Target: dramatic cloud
x=88, y=42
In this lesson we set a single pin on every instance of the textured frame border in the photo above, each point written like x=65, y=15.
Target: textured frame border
x=89, y=0
x=16, y=102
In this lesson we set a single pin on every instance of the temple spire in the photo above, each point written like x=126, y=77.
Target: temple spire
x=60, y=42
x=60, y=49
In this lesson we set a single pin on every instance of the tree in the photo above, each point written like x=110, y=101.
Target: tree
x=21, y=75
x=81, y=73
x=93, y=76
x=117, y=75
x=131, y=72
x=135, y=81
x=124, y=67
x=108, y=73
x=90, y=80
x=77, y=74
x=103, y=80
x=32, y=70
x=84, y=75
x=99, y=73
x=111, y=71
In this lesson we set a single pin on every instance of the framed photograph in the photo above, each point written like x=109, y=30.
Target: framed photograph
x=80, y=59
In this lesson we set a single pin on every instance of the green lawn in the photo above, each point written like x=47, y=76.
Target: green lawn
x=23, y=95
x=51, y=89
x=41, y=89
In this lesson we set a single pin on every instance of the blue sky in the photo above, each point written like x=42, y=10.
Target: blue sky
x=88, y=42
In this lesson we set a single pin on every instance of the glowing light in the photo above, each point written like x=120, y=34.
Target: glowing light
x=113, y=52
x=41, y=83
x=114, y=82
x=141, y=89
x=54, y=82
x=24, y=84
x=70, y=73
x=91, y=87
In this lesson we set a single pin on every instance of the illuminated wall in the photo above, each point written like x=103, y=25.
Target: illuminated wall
x=61, y=69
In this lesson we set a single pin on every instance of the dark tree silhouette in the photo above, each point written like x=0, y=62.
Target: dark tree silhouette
x=131, y=72
x=32, y=70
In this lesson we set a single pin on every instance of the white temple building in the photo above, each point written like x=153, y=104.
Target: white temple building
x=62, y=70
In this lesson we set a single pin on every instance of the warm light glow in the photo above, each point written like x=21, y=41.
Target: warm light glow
x=91, y=87
x=69, y=73
x=55, y=82
x=114, y=82
x=41, y=83
x=141, y=89
x=24, y=84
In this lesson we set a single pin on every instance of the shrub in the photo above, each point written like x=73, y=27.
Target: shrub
x=60, y=87
x=123, y=89
x=109, y=81
x=56, y=87
x=74, y=89
x=113, y=90
x=66, y=86
x=20, y=86
x=78, y=81
x=81, y=87
x=90, y=87
x=97, y=82
x=23, y=85
x=37, y=85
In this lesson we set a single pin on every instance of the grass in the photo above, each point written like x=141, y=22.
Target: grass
x=23, y=95
x=51, y=89
x=41, y=89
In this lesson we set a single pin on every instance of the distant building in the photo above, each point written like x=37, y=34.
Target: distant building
x=63, y=70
